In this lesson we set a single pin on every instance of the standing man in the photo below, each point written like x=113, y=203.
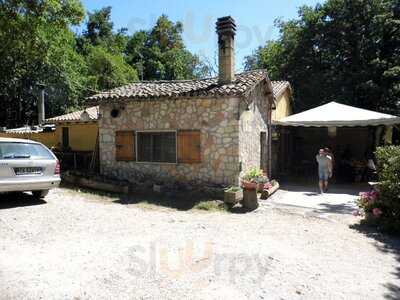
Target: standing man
x=324, y=170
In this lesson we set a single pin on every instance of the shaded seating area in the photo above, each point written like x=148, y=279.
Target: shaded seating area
x=351, y=133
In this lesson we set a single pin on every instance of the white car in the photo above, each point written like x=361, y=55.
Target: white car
x=27, y=166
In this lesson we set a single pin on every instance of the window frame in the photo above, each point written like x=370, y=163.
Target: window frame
x=156, y=131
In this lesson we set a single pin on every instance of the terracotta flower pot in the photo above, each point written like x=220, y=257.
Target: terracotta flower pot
x=249, y=185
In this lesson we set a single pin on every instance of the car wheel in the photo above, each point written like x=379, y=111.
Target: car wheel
x=39, y=194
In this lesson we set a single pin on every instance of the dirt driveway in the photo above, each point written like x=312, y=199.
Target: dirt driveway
x=83, y=246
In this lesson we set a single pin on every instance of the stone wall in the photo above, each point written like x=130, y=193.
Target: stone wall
x=217, y=119
x=253, y=121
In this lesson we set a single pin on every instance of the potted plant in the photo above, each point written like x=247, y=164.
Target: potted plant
x=233, y=195
x=254, y=179
x=262, y=182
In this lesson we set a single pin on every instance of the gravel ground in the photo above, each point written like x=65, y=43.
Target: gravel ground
x=84, y=246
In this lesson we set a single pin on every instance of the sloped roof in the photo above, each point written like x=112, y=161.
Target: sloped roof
x=243, y=84
x=86, y=115
x=92, y=113
x=336, y=115
x=279, y=87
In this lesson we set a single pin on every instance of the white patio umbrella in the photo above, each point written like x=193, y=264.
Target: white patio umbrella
x=338, y=115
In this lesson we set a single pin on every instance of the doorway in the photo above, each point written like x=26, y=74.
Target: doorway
x=65, y=137
x=263, y=151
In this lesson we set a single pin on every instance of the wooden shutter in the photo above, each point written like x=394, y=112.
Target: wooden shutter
x=125, y=145
x=189, y=146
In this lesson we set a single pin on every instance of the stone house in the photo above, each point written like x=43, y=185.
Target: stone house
x=204, y=131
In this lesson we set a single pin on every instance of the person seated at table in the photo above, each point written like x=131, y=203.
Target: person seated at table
x=345, y=165
x=370, y=168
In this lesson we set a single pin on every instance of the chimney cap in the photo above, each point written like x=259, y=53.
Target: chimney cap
x=226, y=25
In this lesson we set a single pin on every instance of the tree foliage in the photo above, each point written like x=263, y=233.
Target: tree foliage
x=107, y=70
x=103, y=49
x=345, y=51
x=39, y=47
x=160, y=53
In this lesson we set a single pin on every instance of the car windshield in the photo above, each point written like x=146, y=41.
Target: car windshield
x=9, y=150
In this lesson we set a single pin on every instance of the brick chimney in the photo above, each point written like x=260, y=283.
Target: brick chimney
x=226, y=30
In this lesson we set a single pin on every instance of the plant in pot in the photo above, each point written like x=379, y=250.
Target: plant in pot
x=254, y=179
x=233, y=195
x=262, y=182
x=249, y=179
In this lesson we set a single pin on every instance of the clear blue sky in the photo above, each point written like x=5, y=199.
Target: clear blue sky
x=254, y=18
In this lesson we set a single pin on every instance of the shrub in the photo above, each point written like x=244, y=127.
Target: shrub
x=383, y=208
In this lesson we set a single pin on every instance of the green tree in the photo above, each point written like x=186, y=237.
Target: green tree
x=99, y=26
x=161, y=54
x=107, y=70
x=37, y=47
x=103, y=50
x=100, y=32
x=345, y=51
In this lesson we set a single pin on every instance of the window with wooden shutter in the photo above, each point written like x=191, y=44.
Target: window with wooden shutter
x=189, y=146
x=125, y=145
x=156, y=147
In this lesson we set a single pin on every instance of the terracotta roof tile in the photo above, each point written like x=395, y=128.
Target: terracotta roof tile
x=244, y=82
x=279, y=87
x=183, y=88
x=87, y=115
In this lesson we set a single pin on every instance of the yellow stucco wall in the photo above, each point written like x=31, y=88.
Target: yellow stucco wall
x=283, y=107
x=46, y=138
x=82, y=137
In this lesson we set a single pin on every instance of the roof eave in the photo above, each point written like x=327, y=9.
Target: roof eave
x=363, y=123
x=125, y=100
x=70, y=121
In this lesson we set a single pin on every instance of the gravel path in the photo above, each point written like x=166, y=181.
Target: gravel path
x=84, y=246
